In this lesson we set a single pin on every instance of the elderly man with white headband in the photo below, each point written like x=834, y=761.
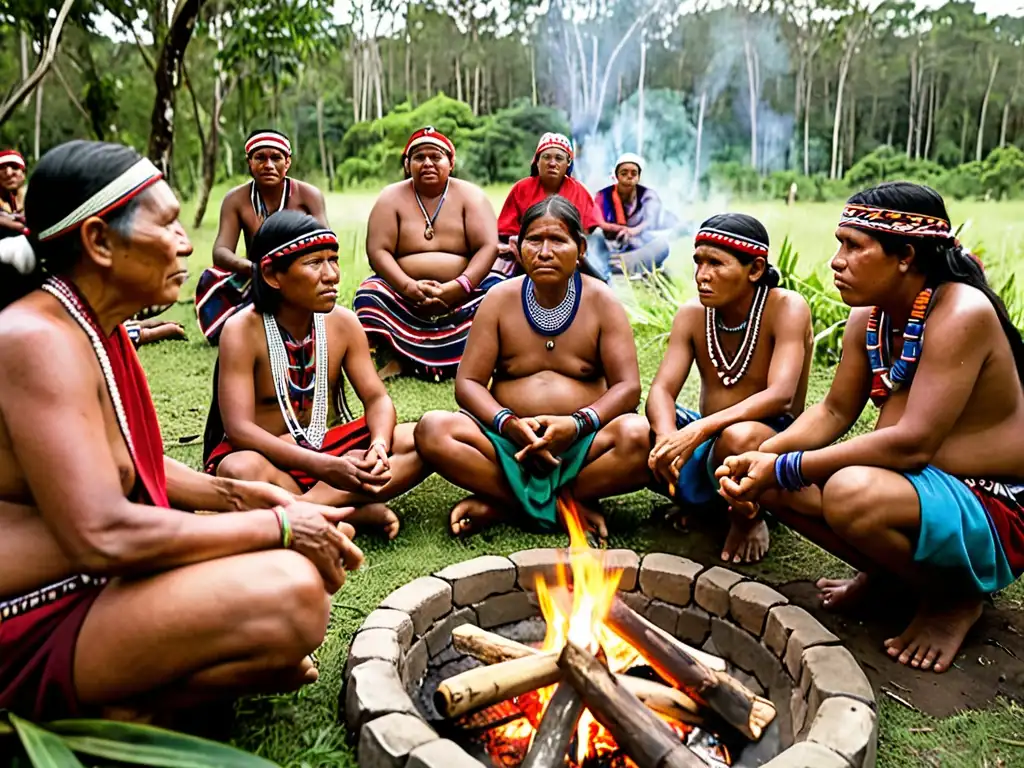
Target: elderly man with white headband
x=226, y=287
x=635, y=238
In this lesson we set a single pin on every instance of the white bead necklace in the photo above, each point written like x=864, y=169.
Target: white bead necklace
x=313, y=435
x=730, y=371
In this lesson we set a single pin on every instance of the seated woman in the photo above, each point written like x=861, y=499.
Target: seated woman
x=751, y=342
x=935, y=494
x=431, y=270
x=547, y=387
x=276, y=385
x=112, y=595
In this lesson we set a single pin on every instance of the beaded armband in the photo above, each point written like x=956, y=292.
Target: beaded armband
x=501, y=419
x=789, y=471
x=465, y=282
x=587, y=422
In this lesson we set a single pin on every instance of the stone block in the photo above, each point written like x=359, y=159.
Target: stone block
x=479, y=578
x=832, y=671
x=807, y=755
x=628, y=562
x=398, y=621
x=694, y=625
x=797, y=713
x=663, y=615
x=785, y=620
x=668, y=577
x=440, y=634
x=380, y=644
x=441, y=754
x=846, y=726
x=749, y=681
x=503, y=609
x=374, y=690
x=415, y=666
x=531, y=562
x=744, y=650
x=749, y=603
x=712, y=589
x=387, y=741
x=425, y=599
x=638, y=601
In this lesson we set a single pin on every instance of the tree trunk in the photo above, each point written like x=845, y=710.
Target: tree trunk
x=533, y=74
x=919, y=121
x=209, y=171
x=852, y=38
x=984, y=108
x=320, y=136
x=640, y=98
x=430, y=80
x=964, y=117
x=476, y=89
x=45, y=60
x=931, y=119
x=39, y=120
x=851, y=134
x=458, y=79
x=700, y=136
x=753, y=89
x=912, y=108
x=807, y=122
x=378, y=75
x=23, y=40
x=408, y=54
x=168, y=78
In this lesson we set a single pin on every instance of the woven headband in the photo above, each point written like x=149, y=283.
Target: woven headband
x=268, y=140
x=11, y=157
x=720, y=239
x=317, y=240
x=128, y=185
x=896, y=222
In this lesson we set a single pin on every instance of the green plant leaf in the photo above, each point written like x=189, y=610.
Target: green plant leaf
x=44, y=749
x=148, y=745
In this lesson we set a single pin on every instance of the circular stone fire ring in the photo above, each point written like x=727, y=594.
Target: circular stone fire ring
x=826, y=708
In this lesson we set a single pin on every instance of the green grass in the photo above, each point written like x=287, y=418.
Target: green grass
x=303, y=729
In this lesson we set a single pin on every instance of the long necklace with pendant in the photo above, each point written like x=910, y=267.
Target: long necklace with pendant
x=311, y=436
x=557, y=319
x=730, y=371
x=428, y=233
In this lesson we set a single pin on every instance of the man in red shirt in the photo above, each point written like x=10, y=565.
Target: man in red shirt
x=550, y=174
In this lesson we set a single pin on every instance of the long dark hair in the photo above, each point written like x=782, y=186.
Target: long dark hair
x=940, y=260
x=66, y=177
x=276, y=230
x=561, y=209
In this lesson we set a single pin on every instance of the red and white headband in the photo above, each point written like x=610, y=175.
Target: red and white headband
x=730, y=240
x=268, y=140
x=12, y=157
x=317, y=240
x=430, y=136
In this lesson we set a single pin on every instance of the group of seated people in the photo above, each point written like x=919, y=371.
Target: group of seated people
x=116, y=596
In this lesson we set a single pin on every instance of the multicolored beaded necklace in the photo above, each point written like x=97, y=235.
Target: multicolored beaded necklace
x=730, y=371
x=300, y=370
x=557, y=319
x=885, y=379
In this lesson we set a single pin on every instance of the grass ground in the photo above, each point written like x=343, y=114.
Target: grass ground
x=303, y=729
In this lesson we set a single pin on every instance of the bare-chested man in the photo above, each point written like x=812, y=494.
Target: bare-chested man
x=751, y=341
x=226, y=287
x=283, y=363
x=12, y=192
x=431, y=242
x=935, y=494
x=548, y=387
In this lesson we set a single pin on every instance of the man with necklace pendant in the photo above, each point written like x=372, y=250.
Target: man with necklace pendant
x=548, y=388
x=431, y=241
x=929, y=506
x=226, y=287
x=282, y=369
x=752, y=344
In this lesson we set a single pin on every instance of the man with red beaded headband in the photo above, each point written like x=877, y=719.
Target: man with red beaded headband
x=934, y=496
x=431, y=241
x=751, y=342
x=12, y=192
x=226, y=287
x=283, y=363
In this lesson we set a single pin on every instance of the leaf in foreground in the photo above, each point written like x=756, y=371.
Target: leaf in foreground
x=44, y=749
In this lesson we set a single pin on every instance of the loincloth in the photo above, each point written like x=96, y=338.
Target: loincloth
x=219, y=295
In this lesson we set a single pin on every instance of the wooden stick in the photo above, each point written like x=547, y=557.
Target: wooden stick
x=738, y=706
x=483, y=686
x=492, y=648
x=554, y=735
x=709, y=660
x=642, y=735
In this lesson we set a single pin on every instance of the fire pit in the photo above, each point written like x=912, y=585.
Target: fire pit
x=607, y=660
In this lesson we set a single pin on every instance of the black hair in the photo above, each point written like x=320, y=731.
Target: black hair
x=746, y=227
x=276, y=230
x=560, y=208
x=64, y=178
x=941, y=260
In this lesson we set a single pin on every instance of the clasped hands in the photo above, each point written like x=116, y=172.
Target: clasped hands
x=542, y=439
x=434, y=296
x=358, y=471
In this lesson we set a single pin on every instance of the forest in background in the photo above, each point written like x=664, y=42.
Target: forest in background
x=741, y=97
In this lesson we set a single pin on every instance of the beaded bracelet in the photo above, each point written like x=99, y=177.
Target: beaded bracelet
x=286, y=526
x=465, y=282
x=587, y=421
x=501, y=418
x=789, y=471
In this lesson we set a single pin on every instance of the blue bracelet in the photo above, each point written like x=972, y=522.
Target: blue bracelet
x=789, y=471
x=501, y=419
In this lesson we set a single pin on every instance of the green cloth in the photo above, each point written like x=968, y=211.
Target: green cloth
x=538, y=494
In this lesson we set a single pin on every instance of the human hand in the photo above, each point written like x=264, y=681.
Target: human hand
x=673, y=450
x=378, y=454
x=413, y=291
x=250, y=494
x=347, y=473
x=746, y=477
x=524, y=433
x=323, y=541
x=556, y=434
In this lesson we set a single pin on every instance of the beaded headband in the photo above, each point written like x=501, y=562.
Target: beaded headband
x=896, y=222
x=317, y=240
x=268, y=140
x=128, y=185
x=720, y=239
x=12, y=157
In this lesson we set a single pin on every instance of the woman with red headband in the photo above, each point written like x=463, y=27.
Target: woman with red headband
x=933, y=499
x=111, y=593
x=12, y=192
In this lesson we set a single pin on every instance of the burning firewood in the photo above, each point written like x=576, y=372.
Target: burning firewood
x=734, y=702
x=483, y=686
x=551, y=744
x=642, y=735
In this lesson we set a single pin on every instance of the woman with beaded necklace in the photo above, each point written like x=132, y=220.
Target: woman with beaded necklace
x=111, y=595
x=547, y=387
x=933, y=498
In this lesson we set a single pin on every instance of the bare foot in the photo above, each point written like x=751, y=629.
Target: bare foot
x=933, y=638
x=746, y=542
x=393, y=368
x=841, y=594
x=471, y=516
x=377, y=515
x=308, y=672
